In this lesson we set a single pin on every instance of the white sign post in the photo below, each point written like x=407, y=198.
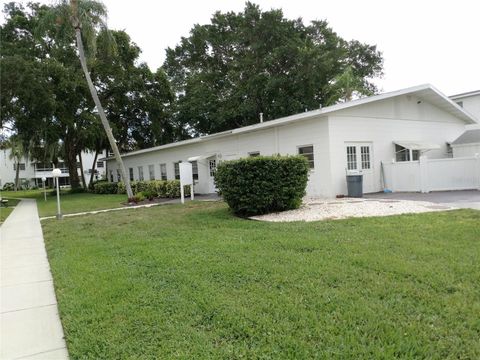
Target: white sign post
x=186, y=178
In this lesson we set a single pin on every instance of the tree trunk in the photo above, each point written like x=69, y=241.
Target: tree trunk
x=17, y=175
x=94, y=166
x=82, y=172
x=101, y=112
x=71, y=161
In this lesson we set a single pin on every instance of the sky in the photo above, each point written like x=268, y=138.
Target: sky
x=422, y=41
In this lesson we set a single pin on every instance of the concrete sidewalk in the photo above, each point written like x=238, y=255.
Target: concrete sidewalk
x=29, y=321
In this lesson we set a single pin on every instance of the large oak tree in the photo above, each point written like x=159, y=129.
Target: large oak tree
x=242, y=64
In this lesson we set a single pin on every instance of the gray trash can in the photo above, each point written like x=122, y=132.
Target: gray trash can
x=355, y=185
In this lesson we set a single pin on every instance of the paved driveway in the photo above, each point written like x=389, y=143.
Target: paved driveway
x=468, y=199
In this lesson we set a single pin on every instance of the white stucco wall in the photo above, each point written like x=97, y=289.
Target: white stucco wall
x=382, y=123
x=282, y=140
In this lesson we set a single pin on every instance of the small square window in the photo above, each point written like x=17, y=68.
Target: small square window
x=307, y=151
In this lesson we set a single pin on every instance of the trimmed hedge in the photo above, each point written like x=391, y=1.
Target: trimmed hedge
x=263, y=184
x=154, y=188
x=105, y=187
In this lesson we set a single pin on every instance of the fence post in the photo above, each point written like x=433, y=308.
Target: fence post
x=423, y=162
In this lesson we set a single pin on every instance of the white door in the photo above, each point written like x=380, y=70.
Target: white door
x=359, y=157
x=212, y=167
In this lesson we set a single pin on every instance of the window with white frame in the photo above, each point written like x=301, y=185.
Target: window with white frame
x=176, y=167
x=195, y=170
x=163, y=171
x=351, y=157
x=130, y=173
x=403, y=154
x=365, y=157
x=151, y=172
x=100, y=164
x=212, y=167
x=254, y=153
x=140, y=173
x=307, y=151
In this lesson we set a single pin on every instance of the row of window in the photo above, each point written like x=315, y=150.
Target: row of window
x=151, y=172
x=42, y=166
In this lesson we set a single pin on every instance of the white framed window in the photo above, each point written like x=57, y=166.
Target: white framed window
x=195, y=170
x=140, y=173
x=130, y=173
x=359, y=156
x=100, y=164
x=254, y=153
x=307, y=151
x=212, y=167
x=351, y=157
x=151, y=172
x=176, y=168
x=163, y=171
x=403, y=154
x=365, y=157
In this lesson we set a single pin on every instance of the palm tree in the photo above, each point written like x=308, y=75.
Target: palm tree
x=86, y=16
x=17, y=153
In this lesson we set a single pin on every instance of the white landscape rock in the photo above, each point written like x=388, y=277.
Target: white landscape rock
x=321, y=209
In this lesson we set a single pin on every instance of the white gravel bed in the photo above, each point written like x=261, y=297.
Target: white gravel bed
x=316, y=209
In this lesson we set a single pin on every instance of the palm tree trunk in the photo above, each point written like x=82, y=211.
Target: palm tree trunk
x=81, y=169
x=101, y=112
x=17, y=175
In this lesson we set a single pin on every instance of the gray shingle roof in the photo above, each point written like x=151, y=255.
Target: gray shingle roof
x=468, y=137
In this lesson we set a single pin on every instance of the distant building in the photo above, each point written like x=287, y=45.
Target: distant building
x=32, y=172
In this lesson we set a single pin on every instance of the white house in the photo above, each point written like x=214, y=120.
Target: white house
x=468, y=144
x=357, y=135
x=32, y=172
x=470, y=101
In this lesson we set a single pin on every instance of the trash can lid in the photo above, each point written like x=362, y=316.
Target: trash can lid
x=354, y=172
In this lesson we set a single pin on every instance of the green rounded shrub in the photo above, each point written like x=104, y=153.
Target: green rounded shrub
x=263, y=184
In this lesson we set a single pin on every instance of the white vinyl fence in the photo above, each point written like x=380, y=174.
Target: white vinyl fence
x=433, y=174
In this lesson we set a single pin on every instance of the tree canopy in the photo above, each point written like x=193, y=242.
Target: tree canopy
x=242, y=64
x=222, y=76
x=45, y=99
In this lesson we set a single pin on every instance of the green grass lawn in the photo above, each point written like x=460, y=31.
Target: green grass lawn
x=194, y=282
x=7, y=210
x=70, y=203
